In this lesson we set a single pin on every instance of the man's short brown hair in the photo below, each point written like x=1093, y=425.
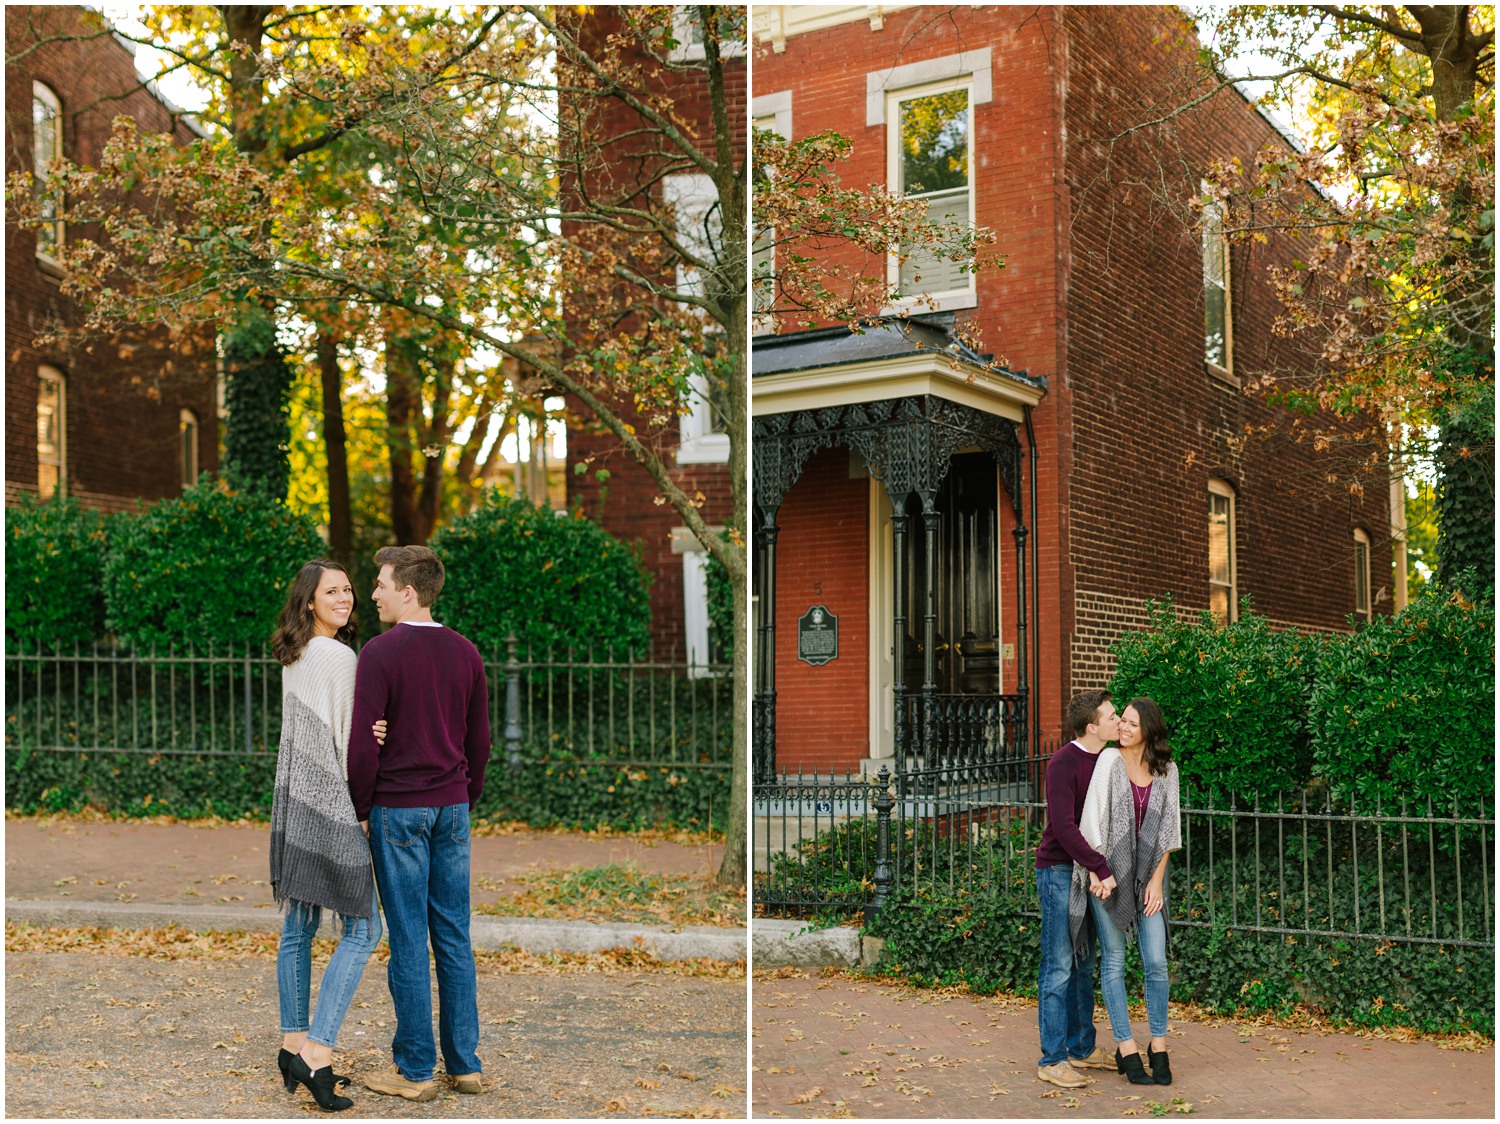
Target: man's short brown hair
x=415, y=566
x=1081, y=711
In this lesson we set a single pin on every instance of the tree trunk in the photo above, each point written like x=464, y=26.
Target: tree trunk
x=402, y=404
x=340, y=522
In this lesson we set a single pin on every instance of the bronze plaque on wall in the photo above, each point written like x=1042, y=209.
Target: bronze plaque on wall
x=817, y=636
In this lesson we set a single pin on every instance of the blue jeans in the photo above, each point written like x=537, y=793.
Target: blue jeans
x=422, y=867
x=1065, y=993
x=340, y=978
x=1151, y=935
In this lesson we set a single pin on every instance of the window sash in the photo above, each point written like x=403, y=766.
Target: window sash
x=1221, y=577
x=923, y=271
x=46, y=148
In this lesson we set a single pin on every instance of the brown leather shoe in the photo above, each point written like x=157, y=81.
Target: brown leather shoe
x=1099, y=1059
x=467, y=1082
x=1062, y=1074
x=393, y=1084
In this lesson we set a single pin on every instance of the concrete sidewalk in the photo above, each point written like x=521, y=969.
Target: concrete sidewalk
x=824, y=1045
x=124, y=874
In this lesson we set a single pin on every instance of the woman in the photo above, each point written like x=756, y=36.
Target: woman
x=1132, y=817
x=320, y=857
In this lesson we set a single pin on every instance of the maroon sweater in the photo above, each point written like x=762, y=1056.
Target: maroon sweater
x=1068, y=776
x=428, y=683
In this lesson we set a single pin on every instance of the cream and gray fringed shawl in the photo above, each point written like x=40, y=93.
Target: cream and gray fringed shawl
x=319, y=853
x=1108, y=825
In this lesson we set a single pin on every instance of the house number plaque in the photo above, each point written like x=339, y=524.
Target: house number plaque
x=817, y=636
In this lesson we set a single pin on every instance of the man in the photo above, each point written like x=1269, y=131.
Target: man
x=416, y=790
x=1065, y=984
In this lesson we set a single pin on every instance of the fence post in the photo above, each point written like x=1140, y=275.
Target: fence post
x=885, y=875
x=249, y=743
x=513, y=706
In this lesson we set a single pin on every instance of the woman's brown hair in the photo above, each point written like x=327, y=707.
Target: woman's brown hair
x=295, y=626
x=1158, y=754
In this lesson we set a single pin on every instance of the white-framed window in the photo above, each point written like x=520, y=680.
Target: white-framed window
x=687, y=29
x=695, y=203
x=1363, y=608
x=51, y=433
x=187, y=427
x=704, y=648
x=929, y=156
x=1218, y=312
x=1223, y=590
x=771, y=113
x=46, y=148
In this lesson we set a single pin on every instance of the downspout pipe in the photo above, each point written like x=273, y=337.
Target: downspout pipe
x=1036, y=604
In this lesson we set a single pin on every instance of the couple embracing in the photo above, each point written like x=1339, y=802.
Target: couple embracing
x=381, y=758
x=1113, y=817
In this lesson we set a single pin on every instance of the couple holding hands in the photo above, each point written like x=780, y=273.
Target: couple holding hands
x=1113, y=817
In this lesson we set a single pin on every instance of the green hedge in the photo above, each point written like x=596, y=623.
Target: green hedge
x=1235, y=696
x=553, y=578
x=934, y=940
x=1406, y=706
x=208, y=565
x=54, y=572
x=547, y=793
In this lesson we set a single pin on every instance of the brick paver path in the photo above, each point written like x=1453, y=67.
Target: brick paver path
x=68, y=860
x=826, y=1046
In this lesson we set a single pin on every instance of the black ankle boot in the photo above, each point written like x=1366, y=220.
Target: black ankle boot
x=1161, y=1069
x=319, y=1083
x=1130, y=1065
x=284, y=1063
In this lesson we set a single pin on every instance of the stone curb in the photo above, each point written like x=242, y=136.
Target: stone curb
x=778, y=944
x=530, y=933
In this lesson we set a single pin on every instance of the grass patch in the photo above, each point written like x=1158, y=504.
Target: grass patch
x=619, y=892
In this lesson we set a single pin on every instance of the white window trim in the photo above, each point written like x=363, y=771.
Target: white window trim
x=950, y=299
x=1224, y=373
x=694, y=599
x=777, y=107
x=1367, y=611
x=697, y=443
x=42, y=92
x=1222, y=488
x=697, y=52
x=49, y=373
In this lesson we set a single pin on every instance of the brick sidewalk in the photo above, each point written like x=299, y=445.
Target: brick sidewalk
x=120, y=861
x=830, y=1046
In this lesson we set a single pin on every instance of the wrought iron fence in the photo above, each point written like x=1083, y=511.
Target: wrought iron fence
x=211, y=702
x=1306, y=864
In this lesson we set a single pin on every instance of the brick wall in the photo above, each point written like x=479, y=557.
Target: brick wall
x=124, y=392
x=822, y=713
x=629, y=504
x=1150, y=425
x=1102, y=295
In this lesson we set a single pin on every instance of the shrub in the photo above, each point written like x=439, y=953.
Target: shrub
x=1235, y=696
x=1406, y=706
x=54, y=558
x=210, y=565
x=554, y=579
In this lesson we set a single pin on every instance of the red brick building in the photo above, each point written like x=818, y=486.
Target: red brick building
x=633, y=172
x=1112, y=438
x=117, y=418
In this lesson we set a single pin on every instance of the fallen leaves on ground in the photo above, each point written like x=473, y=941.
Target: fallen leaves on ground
x=1300, y=1019
x=174, y=942
x=620, y=892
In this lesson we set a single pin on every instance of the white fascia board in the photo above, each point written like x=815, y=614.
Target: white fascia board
x=930, y=373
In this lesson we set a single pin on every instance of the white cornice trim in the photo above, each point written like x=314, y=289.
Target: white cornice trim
x=906, y=376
